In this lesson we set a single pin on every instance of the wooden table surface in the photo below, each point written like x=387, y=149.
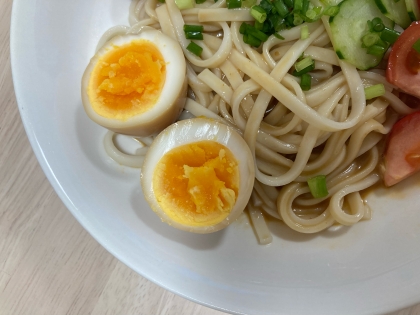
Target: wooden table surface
x=48, y=263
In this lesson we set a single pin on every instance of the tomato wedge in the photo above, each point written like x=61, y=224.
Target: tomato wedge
x=404, y=62
x=402, y=155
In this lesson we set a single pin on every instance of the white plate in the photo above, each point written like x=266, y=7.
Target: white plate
x=370, y=268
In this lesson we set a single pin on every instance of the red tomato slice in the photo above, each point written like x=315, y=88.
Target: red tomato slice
x=403, y=64
x=402, y=155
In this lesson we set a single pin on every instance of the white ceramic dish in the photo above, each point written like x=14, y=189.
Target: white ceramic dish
x=370, y=268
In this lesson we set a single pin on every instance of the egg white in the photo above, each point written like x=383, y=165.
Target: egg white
x=195, y=130
x=173, y=95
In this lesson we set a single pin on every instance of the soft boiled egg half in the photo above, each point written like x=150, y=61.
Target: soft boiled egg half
x=198, y=175
x=136, y=84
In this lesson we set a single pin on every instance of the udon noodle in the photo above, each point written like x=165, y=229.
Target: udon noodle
x=294, y=135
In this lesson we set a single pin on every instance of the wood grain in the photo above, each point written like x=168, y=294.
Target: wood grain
x=48, y=263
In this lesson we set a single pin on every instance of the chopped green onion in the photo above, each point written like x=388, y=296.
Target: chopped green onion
x=259, y=26
x=305, y=6
x=304, y=32
x=258, y=13
x=370, y=39
x=161, y=1
x=195, y=49
x=233, y=4
x=304, y=63
x=257, y=34
x=194, y=35
x=193, y=28
x=377, y=24
x=318, y=186
x=298, y=5
x=331, y=11
x=288, y=3
x=314, y=13
x=266, y=5
x=184, y=4
x=251, y=40
x=278, y=36
x=374, y=91
x=389, y=35
x=416, y=46
x=281, y=8
x=248, y=3
x=305, y=70
x=243, y=28
x=370, y=26
x=200, y=1
x=305, y=82
x=376, y=50
x=289, y=20
x=297, y=19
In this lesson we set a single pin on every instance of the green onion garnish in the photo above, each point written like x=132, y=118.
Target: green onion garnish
x=251, y=40
x=278, y=36
x=370, y=39
x=266, y=5
x=305, y=70
x=258, y=13
x=288, y=3
x=161, y=1
x=331, y=11
x=305, y=6
x=311, y=14
x=374, y=91
x=304, y=32
x=193, y=28
x=195, y=49
x=257, y=34
x=194, y=35
x=377, y=24
x=281, y=8
x=318, y=186
x=416, y=46
x=304, y=63
x=248, y=3
x=243, y=28
x=298, y=5
x=297, y=19
x=184, y=4
x=233, y=4
x=376, y=50
x=200, y=1
x=389, y=35
x=259, y=26
x=305, y=82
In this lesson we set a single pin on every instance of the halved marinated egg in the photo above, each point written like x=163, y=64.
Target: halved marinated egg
x=198, y=175
x=136, y=84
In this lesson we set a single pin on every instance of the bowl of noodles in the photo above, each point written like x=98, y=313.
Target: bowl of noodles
x=353, y=250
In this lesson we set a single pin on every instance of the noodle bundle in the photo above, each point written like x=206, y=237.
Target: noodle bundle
x=293, y=134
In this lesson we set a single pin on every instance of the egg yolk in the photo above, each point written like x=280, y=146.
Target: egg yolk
x=197, y=184
x=127, y=80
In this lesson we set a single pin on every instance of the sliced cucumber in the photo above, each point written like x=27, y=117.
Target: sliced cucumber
x=396, y=11
x=413, y=9
x=349, y=26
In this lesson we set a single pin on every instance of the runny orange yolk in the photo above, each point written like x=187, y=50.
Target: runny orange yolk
x=197, y=184
x=127, y=80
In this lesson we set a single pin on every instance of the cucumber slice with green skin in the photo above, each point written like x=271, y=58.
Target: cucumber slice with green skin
x=396, y=11
x=349, y=26
x=413, y=9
